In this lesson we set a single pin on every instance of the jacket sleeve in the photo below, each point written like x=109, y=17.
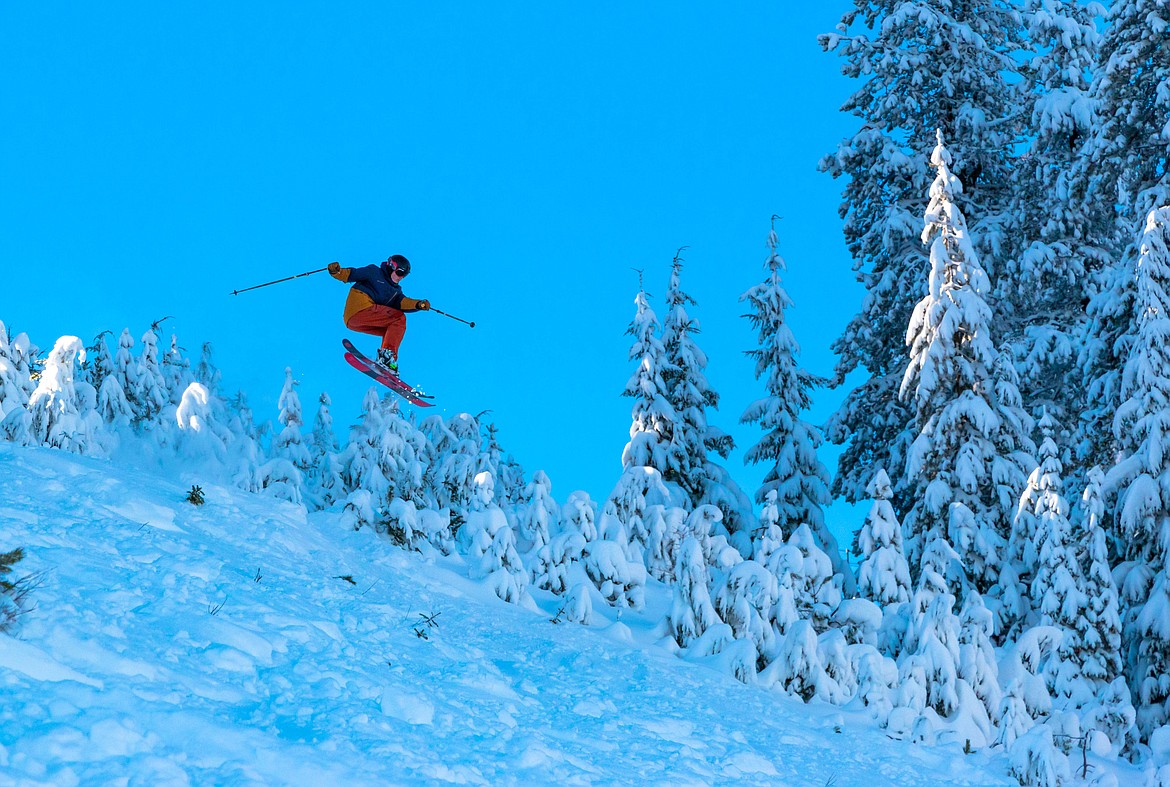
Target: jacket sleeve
x=342, y=274
x=358, y=274
x=408, y=304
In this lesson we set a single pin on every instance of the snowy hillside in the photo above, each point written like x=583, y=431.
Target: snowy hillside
x=221, y=644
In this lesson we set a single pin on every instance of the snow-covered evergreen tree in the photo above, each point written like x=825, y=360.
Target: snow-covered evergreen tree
x=289, y=443
x=1126, y=169
x=692, y=612
x=1048, y=279
x=539, y=514
x=12, y=393
x=652, y=419
x=149, y=386
x=493, y=544
x=200, y=437
x=922, y=65
x=967, y=447
x=884, y=574
x=1097, y=642
x=1142, y=473
x=789, y=445
x=689, y=395
x=176, y=370
x=324, y=479
x=54, y=418
x=362, y=466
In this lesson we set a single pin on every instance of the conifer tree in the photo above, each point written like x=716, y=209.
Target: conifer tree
x=1048, y=278
x=689, y=396
x=922, y=66
x=651, y=417
x=1140, y=427
x=1097, y=646
x=148, y=387
x=324, y=481
x=54, y=418
x=12, y=393
x=966, y=446
x=884, y=574
x=789, y=446
x=1127, y=170
x=361, y=460
x=289, y=444
x=539, y=514
x=692, y=612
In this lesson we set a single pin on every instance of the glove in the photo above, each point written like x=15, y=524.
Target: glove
x=334, y=267
x=424, y=305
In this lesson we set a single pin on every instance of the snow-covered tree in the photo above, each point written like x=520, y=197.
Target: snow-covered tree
x=1127, y=168
x=498, y=564
x=1047, y=280
x=884, y=574
x=1142, y=473
x=12, y=393
x=692, y=612
x=1097, y=642
x=176, y=370
x=324, y=478
x=361, y=459
x=789, y=445
x=689, y=395
x=746, y=601
x=539, y=514
x=289, y=444
x=54, y=418
x=148, y=387
x=652, y=419
x=199, y=435
x=967, y=445
x=921, y=66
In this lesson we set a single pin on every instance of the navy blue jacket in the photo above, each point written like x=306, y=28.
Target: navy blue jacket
x=375, y=282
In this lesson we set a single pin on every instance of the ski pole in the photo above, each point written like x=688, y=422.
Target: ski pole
x=278, y=281
x=452, y=316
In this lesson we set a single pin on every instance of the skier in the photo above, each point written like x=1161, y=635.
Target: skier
x=376, y=304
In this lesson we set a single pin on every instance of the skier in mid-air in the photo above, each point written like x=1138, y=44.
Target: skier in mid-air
x=377, y=305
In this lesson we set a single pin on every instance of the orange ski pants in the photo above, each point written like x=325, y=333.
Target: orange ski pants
x=382, y=321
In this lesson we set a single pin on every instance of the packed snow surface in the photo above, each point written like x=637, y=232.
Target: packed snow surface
x=241, y=642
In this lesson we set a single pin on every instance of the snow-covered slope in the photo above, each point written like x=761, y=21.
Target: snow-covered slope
x=221, y=644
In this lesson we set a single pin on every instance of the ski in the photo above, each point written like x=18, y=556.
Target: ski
x=372, y=369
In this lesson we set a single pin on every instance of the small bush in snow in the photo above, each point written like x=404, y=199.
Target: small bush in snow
x=195, y=496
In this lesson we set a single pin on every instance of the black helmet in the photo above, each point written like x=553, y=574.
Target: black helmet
x=396, y=263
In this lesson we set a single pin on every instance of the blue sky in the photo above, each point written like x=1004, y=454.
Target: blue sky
x=527, y=158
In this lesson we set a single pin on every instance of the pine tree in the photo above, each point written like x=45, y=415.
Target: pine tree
x=199, y=435
x=884, y=574
x=1127, y=169
x=1048, y=278
x=692, y=612
x=1097, y=646
x=361, y=460
x=922, y=65
x=689, y=396
x=54, y=418
x=147, y=387
x=539, y=514
x=651, y=417
x=966, y=446
x=289, y=444
x=1143, y=471
x=789, y=446
x=324, y=481
x=12, y=394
